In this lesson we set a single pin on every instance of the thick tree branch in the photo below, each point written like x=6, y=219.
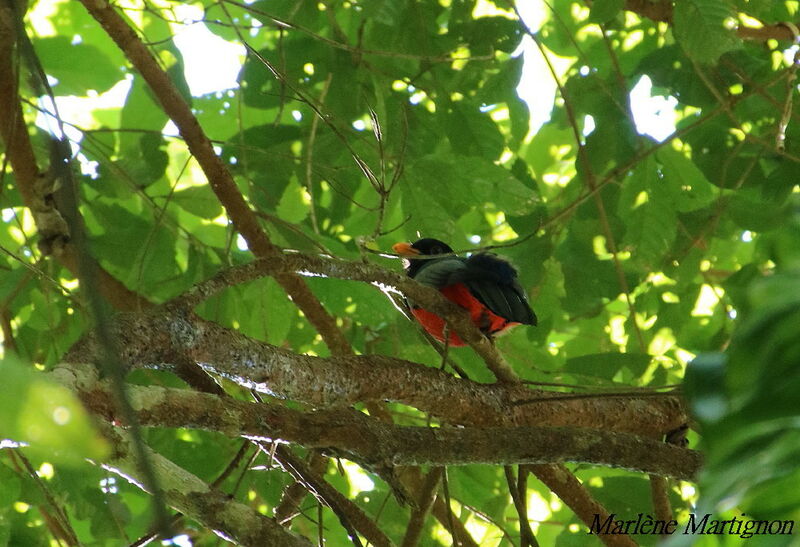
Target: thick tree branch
x=153, y=340
x=375, y=445
x=322, y=381
x=219, y=178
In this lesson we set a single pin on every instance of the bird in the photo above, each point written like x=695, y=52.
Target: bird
x=483, y=284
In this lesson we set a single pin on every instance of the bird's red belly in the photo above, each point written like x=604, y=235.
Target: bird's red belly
x=487, y=321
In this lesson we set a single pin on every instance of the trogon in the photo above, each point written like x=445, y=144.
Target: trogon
x=483, y=284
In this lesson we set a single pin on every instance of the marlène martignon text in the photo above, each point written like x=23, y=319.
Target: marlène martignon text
x=697, y=524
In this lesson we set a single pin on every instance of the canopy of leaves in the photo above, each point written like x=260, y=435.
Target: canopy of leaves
x=355, y=125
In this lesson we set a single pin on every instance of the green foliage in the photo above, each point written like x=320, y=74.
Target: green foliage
x=746, y=400
x=46, y=416
x=639, y=256
x=84, y=69
x=705, y=28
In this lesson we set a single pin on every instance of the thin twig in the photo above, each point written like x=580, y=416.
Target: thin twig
x=310, y=155
x=426, y=497
x=518, y=493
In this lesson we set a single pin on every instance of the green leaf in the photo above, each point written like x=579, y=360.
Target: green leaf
x=459, y=182
x=705, y=28
x=142, y=163
x=607, y=365
x=275, y=311
x=141, y=112
x=265, y=136
x=472, y=132
x=293, y=207
x=604, y=11
x=488, y=34
x=686, y=185
x=588, y=281
x=547, y=150
x=650, y=221
x=107, y=515
x=751, y=213
x=78, y=67
x=198, y=200
x=705, y=386
x=12, y=487
x=426, y=212
x=491, y=183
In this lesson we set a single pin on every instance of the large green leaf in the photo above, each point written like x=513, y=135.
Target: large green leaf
x=198, y=200
x=648, y=212
x=705, y=28
x=77, y=67
x=686, y=185
x=607, y=365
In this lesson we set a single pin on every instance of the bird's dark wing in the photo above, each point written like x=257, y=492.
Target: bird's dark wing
x=493, y=281
x=440, y=272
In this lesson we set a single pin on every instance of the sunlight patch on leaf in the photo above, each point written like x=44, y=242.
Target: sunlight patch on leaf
x=40, y=14
x=538, y=508
x=477, y=528
x=707, y=301
x=359, y=480
x=616, y=330
x=662, y=342
x=485, y=8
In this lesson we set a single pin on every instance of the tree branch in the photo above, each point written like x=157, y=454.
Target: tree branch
x=430, y=299
x=194, y=498
x=517, y=488
x=659, y=493
x=559, y=479
x=350, y=515
x=440, y=510
x=153, y=340
x=375, y=445
x=425, y=498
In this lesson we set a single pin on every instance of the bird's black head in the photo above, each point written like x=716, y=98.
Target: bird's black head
x=430, y=246
x=422, y=247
